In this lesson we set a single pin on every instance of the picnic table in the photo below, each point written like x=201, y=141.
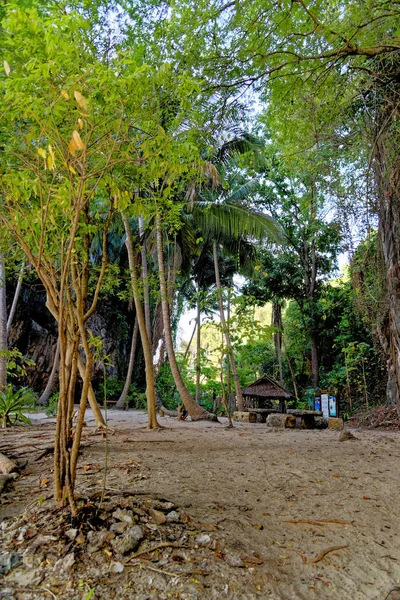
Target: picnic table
x=305, y=418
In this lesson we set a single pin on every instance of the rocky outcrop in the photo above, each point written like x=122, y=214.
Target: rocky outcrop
x=34, y=334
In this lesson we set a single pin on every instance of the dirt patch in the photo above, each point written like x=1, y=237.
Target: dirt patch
x=259, y=513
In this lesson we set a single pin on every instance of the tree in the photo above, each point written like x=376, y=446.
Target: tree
x=62, y=180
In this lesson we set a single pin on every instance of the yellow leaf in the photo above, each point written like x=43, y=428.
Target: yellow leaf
x=72, y=147
x=65, y=94
x=7, y=68
x=77, y=139
x=42, y=152
x=80, y=123
x=72, y=170
x=51, y=161
x=81, y=100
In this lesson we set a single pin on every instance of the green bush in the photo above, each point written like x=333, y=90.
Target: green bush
x=52, y=407
x=13, y=403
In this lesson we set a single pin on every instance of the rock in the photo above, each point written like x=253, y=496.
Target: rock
x=71, y=534
x=124, y=515
x=119, y=527
x=321, y=422
x=335, y=424
x=66, y=563
x=26, y=578
x=8, y=561
x=281, y=421
x=347, y=435
x=129, y=540
x=173, y=517
x=97, y=539
x=232, y=559
x=157, y=516
x=245, y=417
x=116, y=567
x=163, y=505
x=203, y=539
x=6, y=464
x=5, y=478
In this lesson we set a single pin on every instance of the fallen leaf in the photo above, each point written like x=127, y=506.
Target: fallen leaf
x=366, y=498
x=7, y=68
x=336, y=475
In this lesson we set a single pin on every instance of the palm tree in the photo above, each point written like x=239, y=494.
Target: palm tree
x=195, y=411
x=226, y=217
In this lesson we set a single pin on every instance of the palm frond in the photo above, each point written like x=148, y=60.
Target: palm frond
x=230, y=220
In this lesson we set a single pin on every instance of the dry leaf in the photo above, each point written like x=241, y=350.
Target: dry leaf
x=65, y=94
x=7, y=68
x=81, y=100
x=80, y=123
x=44, y=481
x=336, y=475
x=77, y=139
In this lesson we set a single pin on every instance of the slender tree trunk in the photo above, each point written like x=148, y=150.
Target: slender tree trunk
x=3, y=325
x=195, y=411
x=16, y=296
x=289, y=362
x=44, y=398
x=277, y=324
x=98, y=416
x=314, y=360
x=190, y=341
x=228, y=370
x=239, y=395
x=124, y=394
x=141, y=319
x=198, y=351
x=145, y=279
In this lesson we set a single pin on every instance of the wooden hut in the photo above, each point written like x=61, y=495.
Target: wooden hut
x=264, y=393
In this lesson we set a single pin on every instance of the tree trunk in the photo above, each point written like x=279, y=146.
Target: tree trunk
x=239, y=395
x=16, y=296
x=314, y=360
x=145, y=279
x=98, y=416
x=195, y=411
x=190, y=341
x=277, y=324
x=141, y=319
x=44, y=398
x=198, y=352
x=3, y=325
x=290, y=369
x=124, y=394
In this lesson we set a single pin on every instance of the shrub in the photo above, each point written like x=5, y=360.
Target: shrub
x=13, y=403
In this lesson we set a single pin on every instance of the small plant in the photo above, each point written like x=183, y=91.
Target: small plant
x=13, y=403
x=52, y=407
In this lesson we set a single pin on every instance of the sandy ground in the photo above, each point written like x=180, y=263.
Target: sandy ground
x=285, y=496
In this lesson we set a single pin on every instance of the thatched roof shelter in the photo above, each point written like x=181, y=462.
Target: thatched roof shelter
x=263, y=391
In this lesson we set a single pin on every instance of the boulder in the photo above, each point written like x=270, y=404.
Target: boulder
x=335, y=424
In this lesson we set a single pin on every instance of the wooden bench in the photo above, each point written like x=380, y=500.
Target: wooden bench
x=305, y=419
